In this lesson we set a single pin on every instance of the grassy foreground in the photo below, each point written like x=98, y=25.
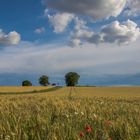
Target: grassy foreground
x=90, y=114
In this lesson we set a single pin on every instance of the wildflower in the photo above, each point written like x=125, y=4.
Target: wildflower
x=81, y=134
x=95, y=116
x=7, y=137
x=88, y=129
x=67, y=116
x=82, y=113
x=76, y=113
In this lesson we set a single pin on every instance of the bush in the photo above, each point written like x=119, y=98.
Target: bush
x=26, y=83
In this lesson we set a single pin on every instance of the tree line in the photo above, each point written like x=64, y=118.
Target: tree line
x=71, y=79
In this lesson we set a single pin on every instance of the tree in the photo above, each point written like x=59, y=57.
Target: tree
x=44, y=80
x=72, y=78
x=53, y=84
x=26, y=83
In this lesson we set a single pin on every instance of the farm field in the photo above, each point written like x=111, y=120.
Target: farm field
x=90, y=113
x=11, y=89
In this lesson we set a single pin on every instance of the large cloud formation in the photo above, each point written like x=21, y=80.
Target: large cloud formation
x=12, y=38
x=97, y=9
x=59, y=60
x=115, y=32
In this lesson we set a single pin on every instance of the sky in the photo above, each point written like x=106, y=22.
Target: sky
x=98, y=39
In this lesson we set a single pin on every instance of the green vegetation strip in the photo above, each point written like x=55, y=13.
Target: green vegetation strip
x=34, y=91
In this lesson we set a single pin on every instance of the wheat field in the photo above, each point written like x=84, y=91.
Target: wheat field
x=89, y=113
x=21, y=88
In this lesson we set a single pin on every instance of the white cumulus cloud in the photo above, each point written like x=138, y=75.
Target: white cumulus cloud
x=60, y=21
x=120, y=33
x=115, y=32
x=81, y=32
x=12, y=38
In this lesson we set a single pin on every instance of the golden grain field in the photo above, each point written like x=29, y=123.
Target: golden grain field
x=90, y=113
x=21, y=88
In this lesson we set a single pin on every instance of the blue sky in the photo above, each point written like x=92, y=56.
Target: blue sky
x=93, y=38
x=24, y=17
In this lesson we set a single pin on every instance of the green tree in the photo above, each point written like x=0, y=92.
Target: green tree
x=44, y=80
x=72, y=78
x=26, y=83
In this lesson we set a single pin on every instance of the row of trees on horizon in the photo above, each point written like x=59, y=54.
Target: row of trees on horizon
x=71, y=79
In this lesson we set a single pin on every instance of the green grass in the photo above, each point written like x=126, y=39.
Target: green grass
x=54, y=116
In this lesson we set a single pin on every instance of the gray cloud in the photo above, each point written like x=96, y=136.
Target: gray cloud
x=115, y=32
x=12, y=38
x=97, y=9
x=133, y=8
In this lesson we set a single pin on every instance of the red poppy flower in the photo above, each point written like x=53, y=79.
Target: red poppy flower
x=81, y=134
x=88, y=129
